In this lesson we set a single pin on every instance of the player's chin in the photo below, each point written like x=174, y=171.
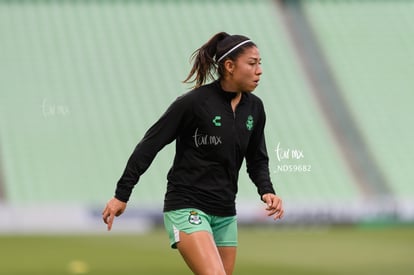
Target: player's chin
x=250, y=88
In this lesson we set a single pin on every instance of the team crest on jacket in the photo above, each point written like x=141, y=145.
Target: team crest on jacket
x=249, y=123
x=194, y=218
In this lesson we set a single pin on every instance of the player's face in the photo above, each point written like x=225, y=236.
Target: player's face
x=247, y=70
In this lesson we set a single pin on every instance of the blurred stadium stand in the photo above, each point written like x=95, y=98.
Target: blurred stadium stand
x=81, y=81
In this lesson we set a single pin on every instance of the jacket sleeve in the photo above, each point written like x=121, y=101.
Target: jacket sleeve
x=163, y=132
x=257, y=160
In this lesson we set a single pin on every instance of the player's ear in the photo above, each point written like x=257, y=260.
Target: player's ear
x=229, y=66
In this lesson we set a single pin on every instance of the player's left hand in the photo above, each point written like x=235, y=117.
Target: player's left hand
x=273, y=205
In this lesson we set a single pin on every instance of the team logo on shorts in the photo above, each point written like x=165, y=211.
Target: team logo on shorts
x=194, y=218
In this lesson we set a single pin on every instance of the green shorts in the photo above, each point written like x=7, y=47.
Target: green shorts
x=189, y=220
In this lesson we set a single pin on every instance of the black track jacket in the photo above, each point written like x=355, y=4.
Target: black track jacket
x=211, y=143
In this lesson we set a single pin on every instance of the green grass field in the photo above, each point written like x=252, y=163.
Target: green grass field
x=387, y=250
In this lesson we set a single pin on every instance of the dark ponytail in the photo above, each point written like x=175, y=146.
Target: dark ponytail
x=204, y=63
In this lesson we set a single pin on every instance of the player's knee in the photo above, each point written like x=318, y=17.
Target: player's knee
x=214, y=270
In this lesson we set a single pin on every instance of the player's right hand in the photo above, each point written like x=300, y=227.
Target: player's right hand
x=113, y=209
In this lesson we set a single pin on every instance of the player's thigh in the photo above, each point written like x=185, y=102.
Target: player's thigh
x=225, y=236
x=199, y=251
x=228, y=257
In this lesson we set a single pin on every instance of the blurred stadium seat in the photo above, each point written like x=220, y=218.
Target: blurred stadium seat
x=369, y=47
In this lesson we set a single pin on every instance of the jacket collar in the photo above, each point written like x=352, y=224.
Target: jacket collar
x=228, y=95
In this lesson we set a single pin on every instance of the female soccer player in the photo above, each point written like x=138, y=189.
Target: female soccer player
x=215, y=126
